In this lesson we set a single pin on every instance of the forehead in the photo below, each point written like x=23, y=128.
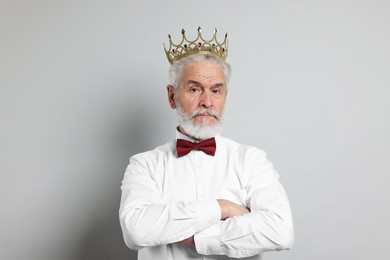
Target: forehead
x=204, y=72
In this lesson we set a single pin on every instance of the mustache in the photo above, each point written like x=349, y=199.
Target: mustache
x=202, y=112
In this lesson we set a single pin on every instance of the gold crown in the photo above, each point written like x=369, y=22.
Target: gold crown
x=187, y=48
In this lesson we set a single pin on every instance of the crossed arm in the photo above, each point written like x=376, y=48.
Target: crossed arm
x=228, y=210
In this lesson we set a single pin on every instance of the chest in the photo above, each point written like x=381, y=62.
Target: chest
x=199, y=177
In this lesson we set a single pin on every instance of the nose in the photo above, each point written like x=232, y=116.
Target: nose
x=206, y=100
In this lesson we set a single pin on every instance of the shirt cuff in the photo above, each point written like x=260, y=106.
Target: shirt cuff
x=207, y=242
x=208, y=212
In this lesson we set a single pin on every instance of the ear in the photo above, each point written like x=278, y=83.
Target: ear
x=171, y=96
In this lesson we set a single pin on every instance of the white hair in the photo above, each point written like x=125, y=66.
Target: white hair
x=177, y=67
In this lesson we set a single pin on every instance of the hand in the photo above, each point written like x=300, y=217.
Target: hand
x=230, y=209
x=187, y=242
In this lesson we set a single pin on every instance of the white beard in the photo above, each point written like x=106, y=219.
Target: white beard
x=202, y=130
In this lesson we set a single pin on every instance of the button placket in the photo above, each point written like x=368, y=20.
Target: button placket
x=197, y=159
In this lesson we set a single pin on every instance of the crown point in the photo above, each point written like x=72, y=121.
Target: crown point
x=183, y=31
x=199, y=29
x=226, y=35
x=169, y=36
x=215, y=30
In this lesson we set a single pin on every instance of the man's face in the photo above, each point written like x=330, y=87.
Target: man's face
x=201, y=93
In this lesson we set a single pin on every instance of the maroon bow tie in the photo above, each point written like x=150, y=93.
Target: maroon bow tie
x=183, y=147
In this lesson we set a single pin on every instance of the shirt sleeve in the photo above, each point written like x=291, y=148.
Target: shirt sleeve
x=267, y=227
x=147, y=221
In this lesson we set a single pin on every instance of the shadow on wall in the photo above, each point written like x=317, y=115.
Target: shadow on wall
x=103, y=238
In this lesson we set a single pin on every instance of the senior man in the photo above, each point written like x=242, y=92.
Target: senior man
x=201, y=195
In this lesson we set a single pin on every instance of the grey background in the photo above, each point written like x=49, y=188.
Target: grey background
x=83, y=88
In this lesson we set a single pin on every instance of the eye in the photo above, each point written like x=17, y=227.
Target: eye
x=194, y=90
x=216, y=91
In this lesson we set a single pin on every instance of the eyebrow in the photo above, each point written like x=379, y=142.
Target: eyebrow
x=201, y=85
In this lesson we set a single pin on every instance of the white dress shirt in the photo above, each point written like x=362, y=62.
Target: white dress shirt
x=166, y=199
